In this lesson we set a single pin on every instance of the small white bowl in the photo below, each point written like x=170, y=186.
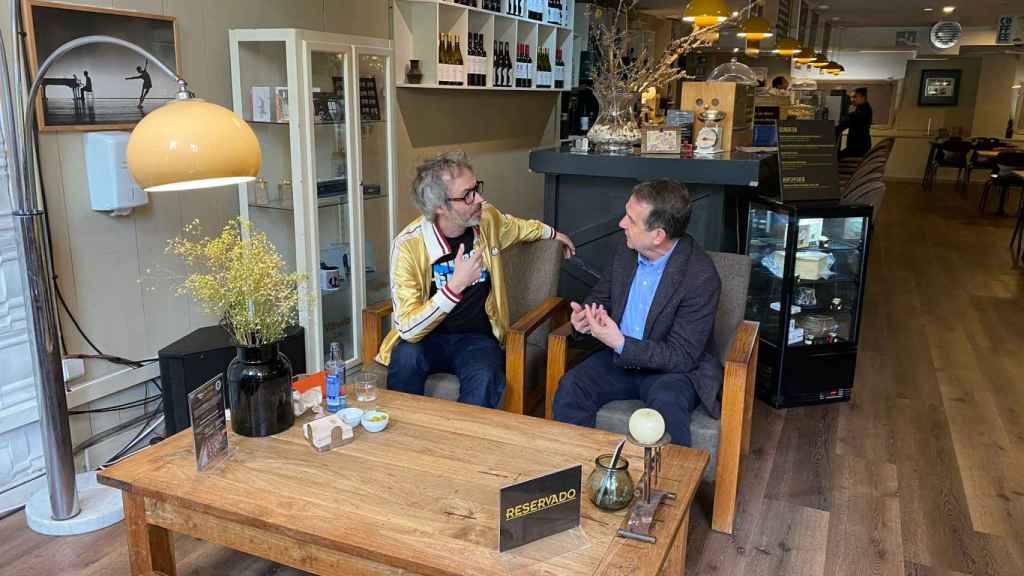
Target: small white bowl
x=351, y=416
x=371, y=426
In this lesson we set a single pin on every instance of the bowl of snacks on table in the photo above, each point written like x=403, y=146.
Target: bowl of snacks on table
x=375, y=420
x=351, y=416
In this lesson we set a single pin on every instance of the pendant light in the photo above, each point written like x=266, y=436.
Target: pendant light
x=786, y=46
x=819, y=60
x=804, y=56
x=753, y=48
x=706, y=12
x=756, y=27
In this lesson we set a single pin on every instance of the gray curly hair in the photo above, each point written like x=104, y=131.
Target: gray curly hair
x=430, y=186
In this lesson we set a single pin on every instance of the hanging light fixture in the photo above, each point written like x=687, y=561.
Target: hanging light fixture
x=804, y=56
x=834, y=68
x=786, y=46
x=756, y=27
x=819, y=60
x=706, y=12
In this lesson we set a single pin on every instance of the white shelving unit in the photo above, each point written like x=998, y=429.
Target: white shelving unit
x=418, y=25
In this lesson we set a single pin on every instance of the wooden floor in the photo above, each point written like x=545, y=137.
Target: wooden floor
x=921, y=474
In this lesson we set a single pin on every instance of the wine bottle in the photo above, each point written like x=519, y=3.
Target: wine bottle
x=442, y=67
x=529, y=66
x=559, y=69
x=460, y=70
x=482, y=53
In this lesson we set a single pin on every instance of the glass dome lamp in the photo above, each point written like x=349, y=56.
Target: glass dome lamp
x=733, y=71
x=786, y=46
x=706, y=12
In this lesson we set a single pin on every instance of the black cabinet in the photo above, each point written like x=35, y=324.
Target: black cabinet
x=807, y=291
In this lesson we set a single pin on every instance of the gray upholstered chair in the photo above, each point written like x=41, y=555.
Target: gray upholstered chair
x=727, y=438
x=531, y=281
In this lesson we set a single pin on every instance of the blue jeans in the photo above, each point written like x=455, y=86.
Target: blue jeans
x=598, y=381
x=475, y=359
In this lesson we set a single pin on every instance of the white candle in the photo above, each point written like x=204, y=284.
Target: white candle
x=647, y=426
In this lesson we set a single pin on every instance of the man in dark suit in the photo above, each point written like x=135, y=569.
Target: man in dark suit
x=654, y=312
x=858, y=124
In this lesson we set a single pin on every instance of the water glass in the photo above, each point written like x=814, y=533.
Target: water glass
x=366, y=387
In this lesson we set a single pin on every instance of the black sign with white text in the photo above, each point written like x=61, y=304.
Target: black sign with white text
x=807, y=160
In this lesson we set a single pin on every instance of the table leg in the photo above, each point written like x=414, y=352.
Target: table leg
x=675, y=564
x=150, y=548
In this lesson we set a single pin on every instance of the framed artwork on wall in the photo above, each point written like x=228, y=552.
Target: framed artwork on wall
x=939, y=88
x=99, y=87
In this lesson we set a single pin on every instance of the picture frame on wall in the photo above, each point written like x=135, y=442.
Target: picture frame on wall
x=939, y=88
x=100, y=86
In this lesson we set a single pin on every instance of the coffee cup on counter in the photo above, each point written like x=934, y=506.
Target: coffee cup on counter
x=330, y=278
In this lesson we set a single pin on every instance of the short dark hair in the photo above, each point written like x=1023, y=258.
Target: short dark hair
x=777, y=81
x=862, y=91
x=670, y=205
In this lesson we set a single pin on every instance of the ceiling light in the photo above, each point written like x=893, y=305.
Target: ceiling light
x=804, y=56
x=735, y=13
x=1016, y=86
x=786, y=46
x=823, y=6
x=928, y=9
x=755, y=28
x=735, y=49
x=819, y=60
x=705, y=12
x=948, y=9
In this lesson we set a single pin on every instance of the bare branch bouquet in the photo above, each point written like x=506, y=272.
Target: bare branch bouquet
x=619, y=80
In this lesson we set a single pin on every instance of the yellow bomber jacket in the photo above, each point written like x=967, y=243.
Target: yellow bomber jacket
x=415, y=313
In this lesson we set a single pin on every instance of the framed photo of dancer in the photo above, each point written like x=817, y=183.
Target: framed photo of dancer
x=100, y=86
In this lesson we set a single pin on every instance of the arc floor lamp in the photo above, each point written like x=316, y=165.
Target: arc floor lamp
x=185, y=144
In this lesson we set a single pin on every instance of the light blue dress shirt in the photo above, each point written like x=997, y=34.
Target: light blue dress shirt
x=641, y=295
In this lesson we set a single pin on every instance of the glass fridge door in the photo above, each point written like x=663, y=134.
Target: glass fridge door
x=768, y=228
x=827, y=279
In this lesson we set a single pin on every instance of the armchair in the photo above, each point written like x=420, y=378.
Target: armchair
x=531, y=273
x=728, y=438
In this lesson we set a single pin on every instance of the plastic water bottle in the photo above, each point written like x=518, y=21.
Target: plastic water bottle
x=335, y=381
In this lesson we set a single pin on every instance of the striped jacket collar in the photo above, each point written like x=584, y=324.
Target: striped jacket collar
x=434, y=240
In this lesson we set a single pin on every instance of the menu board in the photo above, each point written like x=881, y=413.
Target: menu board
x=807, y=160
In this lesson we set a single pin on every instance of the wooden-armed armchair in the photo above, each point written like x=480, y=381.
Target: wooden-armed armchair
x=728, y=438
x=531, y=277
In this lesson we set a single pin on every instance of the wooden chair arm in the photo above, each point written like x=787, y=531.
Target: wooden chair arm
x=373, y=329
x=555, y=309
x=737, y=412
x=558, y=356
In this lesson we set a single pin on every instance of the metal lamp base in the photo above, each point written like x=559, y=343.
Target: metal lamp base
x=100, y=506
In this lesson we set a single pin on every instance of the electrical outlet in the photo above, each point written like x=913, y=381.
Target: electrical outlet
x=73, y=368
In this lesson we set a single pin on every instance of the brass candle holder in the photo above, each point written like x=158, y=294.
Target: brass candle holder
x=641, y=514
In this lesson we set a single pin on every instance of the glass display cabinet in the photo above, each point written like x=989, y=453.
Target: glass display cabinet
x=807, y=291
x=322, y=107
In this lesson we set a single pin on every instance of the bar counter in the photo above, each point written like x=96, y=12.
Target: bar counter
x=585, y=195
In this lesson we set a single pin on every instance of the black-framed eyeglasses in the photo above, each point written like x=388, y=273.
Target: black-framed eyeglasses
x=470, y=196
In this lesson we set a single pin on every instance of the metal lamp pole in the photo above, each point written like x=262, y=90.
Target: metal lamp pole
x=35, y=252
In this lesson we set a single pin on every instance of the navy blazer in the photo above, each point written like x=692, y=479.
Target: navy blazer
x=679, y=331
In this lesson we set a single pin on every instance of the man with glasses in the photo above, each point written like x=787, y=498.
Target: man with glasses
x=450, y=311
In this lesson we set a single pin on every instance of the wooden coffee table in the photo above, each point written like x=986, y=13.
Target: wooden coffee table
x=421, y=497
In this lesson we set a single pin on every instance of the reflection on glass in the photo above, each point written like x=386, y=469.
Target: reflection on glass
x=333, y=209
x=373, y=82
x=767, y=248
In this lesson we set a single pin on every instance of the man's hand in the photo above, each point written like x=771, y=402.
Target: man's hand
x=570, y=248
x=604, y=328
x=467, y=270
x=579, y=318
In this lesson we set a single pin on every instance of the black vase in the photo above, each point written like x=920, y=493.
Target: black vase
x=260, y=391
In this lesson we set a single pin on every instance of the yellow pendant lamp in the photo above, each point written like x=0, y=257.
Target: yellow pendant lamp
x=834, y=68
x=755, y=28
x=190, y=143
x=804, y=56
x=706, y=12
x=819, y=60
x=786, y=46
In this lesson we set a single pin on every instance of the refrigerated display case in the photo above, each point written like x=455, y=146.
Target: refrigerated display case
x=807, y=291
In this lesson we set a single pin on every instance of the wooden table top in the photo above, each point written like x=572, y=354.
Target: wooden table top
x=422, y=495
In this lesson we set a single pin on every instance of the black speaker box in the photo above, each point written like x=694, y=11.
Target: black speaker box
x=191, y=361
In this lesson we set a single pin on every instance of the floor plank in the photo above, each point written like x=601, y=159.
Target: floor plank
x=792, y=541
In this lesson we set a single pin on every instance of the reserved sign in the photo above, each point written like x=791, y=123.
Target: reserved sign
x=540, y=507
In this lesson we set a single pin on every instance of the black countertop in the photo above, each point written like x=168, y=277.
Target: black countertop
x=734, y=168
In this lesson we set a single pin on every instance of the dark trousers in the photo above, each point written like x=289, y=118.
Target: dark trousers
x=597, y=381
x=476, y=359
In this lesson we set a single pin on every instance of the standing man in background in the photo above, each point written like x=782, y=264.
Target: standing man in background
x=858, y=124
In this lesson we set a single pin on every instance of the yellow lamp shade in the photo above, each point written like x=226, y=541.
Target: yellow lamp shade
x=190, y=144
x=833, y=68
x=755, y=28
x=706, y=12
x=819, y=60
x=804, y=56
x=786, y=46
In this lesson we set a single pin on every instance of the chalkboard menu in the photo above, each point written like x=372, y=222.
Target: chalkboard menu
x=807, y=160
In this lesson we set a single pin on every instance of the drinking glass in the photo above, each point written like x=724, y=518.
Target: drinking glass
x=366, y=387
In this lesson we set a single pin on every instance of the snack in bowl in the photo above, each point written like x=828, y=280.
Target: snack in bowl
x=351, y=416
x=375, y=420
